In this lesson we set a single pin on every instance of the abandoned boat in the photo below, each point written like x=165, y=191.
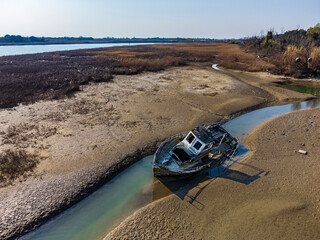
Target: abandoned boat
x=187, y=153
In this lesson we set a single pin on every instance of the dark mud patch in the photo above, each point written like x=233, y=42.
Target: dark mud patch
x=15, y=164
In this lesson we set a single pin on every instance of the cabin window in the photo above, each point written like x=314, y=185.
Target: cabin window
x=197, y=145
x=190, y=138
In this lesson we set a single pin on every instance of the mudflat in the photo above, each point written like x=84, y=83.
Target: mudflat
x=84, y=141
x=272, y=194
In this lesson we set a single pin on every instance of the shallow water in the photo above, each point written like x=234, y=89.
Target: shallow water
x=215, y=67
x=31, y=49
x=135, y=187
x=311, y=89
x=92, y=217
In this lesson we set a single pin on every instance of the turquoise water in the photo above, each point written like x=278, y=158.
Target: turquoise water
x=31, y=49
x=95, y=215
x=245, y=123
x=135, y=187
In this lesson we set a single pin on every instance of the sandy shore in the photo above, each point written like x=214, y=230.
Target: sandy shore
x=272, y=194
x=85, y=140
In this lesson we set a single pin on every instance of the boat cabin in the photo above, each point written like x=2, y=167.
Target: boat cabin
x=196, y=142
x=193, y=143
x=187, y=153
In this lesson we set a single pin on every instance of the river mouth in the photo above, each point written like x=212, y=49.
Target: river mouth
x=136, y=187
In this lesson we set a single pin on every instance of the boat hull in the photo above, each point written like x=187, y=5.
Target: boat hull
x=160, y=171
x=165, y=164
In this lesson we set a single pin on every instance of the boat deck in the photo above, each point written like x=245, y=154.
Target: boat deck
x=219, y=150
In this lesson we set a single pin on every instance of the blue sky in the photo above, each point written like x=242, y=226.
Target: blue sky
x=151, y=18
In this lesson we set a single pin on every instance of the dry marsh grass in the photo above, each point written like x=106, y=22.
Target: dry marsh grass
x=14, y=164
x=157, y=57
x=30, y=78
x=282, y=49
x=303, y=67
x=315, y=63
x=24, y=134
x=292, y=52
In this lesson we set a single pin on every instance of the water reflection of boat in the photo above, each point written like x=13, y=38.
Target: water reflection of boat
x=187, y=153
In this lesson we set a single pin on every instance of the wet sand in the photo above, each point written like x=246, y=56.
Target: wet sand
x=84, y=141
x=272, y=194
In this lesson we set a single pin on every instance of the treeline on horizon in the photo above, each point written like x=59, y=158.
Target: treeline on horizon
x=293, y=53
x=18, y=39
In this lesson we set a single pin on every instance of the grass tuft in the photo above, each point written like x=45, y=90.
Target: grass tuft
x=15, y=163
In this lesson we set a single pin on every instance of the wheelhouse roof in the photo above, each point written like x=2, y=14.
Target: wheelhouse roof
x=204, y=135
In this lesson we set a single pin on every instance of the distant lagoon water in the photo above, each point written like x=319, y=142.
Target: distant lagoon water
x=32, y=49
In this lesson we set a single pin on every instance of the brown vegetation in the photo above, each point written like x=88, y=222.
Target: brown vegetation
x=315, y=63
x=14, y=164
x=294, y=53
x=23, y=135
x=157, y=57
x=29, y=78
x=298, y=68
x=289, y=63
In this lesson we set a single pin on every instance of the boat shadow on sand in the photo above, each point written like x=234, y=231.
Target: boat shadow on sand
x=190, y=188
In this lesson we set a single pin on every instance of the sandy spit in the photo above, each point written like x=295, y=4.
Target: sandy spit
x=85, y=140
